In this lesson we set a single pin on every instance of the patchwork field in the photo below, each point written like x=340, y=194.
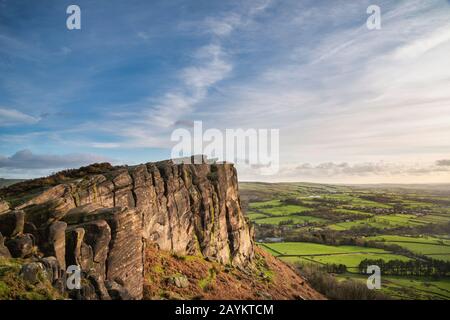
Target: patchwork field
x=381, y=222
x=350, y=260
x=350, y=256
x=327, y=225
x=429, y=246
x=409, y=288
x=305, y=249
x=290, y=220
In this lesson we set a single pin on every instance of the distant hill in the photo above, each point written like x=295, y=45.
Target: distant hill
x=8, y=182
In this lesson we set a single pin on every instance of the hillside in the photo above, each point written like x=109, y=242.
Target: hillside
x=118, y=223
x=8, y=182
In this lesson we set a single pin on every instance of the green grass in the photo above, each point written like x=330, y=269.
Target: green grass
x=433, y=219
x=347, y=211
x=13, y=287
x=294, y=219
x=444, y=257
x=421, y=245
x=409, y=288
x=424, y=239
x=424, y=205
x=353, y=260
x=356, y=202
x=264, y=204
x=350, y=260
x=208, y=281
x=255, y=216
x=304, y=248
x=425, y=249
x=380, y=222
x=349, y=256
x=284, y=210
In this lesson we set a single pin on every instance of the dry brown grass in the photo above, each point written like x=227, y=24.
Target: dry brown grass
x=270, y=279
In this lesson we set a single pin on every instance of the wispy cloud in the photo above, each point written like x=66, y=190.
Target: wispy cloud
x=155, y=118
x=10, y=117
x=338, y=92
x=443, y=163
x=362, y=172
x=195, y=82
x=25, y=159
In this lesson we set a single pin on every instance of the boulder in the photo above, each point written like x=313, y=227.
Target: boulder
x=52, y=268
x=117, y=291
x=100, y=287
x=4, y=206
x=125, y=259
x=4, y=252
x=86, y=292
x=12, y=223
x=33, y=272
x=57, y=242
x=180, y=281
x=98, y=237
x=21, y=246
x=77, y=251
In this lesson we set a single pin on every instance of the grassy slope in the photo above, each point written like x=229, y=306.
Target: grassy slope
x=271, y=279
x=8, y=182
x=13, y=287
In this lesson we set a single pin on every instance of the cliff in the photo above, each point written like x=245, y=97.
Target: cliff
x=104, y=219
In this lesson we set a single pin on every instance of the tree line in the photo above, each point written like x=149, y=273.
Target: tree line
x=425, y=267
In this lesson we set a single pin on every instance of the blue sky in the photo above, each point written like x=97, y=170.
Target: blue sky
x=351, y=104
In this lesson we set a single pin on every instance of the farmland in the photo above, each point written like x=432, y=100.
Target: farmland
x=339, y=227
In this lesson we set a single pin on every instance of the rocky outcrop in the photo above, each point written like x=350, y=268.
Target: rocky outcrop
x=103, y=221
x=4, y=206
x=4, y=251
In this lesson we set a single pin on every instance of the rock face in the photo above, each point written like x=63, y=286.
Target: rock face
x=4, y=251
x=103, y=221
x=3, y=206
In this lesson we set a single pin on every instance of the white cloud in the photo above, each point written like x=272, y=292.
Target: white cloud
x=222, y=26
x=425, y=44
x=363, y=172
x=25, y=159
x=9, y=117
x=152, y=125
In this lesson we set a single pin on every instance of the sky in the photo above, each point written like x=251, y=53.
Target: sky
x=352, y=105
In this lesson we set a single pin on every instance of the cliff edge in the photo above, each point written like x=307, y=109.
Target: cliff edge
x=106, y=219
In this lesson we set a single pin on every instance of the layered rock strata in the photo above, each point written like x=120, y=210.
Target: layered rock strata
x=102, y=222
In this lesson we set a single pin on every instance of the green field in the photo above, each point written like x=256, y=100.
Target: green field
x=350, y=256
x=423, y=239
x=410, y=288
x=357, y=212
x=263, y=204
x=398, y=215
x=381, y=222
x=292, y=219
x=350, y=260
x=305, y=248
x=284, y=210
x=430, y=246
x=255, y=216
